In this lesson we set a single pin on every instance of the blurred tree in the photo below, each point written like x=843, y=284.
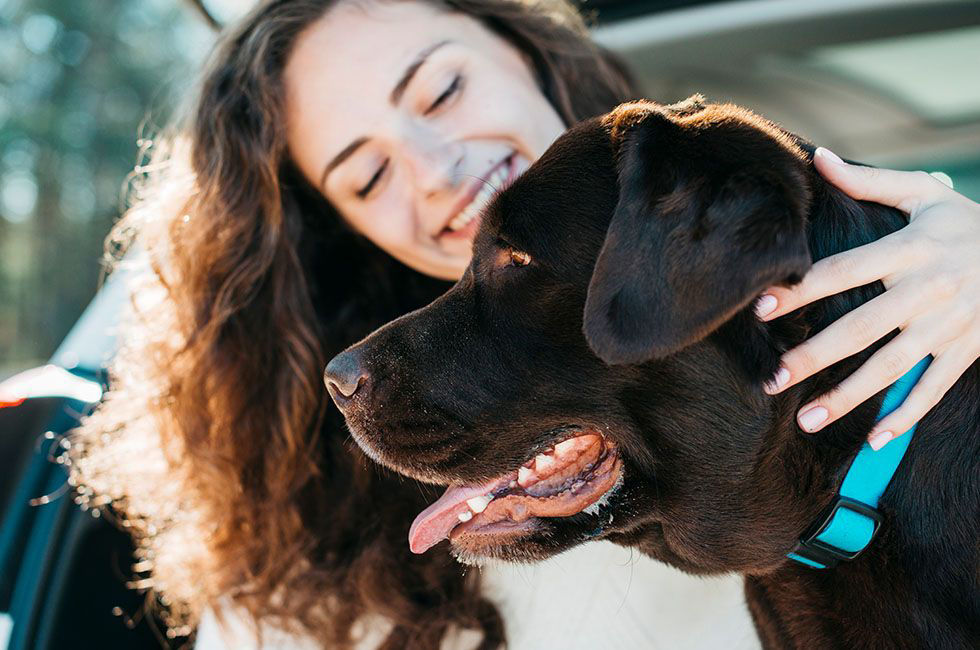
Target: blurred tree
x=79, y=83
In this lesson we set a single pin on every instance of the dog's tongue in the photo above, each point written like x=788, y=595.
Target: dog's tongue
x=434, y=523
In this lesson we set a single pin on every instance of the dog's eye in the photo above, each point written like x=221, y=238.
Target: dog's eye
x=519, y=258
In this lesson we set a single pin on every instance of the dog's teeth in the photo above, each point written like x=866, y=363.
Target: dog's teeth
x=563, y=449
x=543, y=463
x=525, y=477
x=465, y=516
x=479, y=504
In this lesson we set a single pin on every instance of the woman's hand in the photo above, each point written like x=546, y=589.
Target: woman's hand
x=931, y=273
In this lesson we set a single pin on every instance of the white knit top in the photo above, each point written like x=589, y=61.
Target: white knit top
x=595, y=596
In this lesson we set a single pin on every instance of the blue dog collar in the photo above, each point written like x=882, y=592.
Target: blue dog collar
x=851, y=521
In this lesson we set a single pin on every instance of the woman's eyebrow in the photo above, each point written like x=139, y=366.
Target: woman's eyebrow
x=339, y=158
x=394, y=98
x=413, y=67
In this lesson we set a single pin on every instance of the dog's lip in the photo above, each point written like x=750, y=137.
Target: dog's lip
x=475, y=536
x=474, y=189
x=559, y=493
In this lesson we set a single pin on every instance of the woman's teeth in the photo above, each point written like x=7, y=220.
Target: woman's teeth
x=470, y=212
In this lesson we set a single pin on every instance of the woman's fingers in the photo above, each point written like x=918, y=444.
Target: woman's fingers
x=954, y=352
x=834, y=274
x=884, y=367
x=851, y=333
x=929, y=269
x=938, y=378
x=903, y=190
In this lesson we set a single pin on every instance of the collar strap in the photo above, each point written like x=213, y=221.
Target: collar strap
x=849, y=524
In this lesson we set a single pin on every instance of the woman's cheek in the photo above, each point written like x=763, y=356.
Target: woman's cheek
x=395, y=216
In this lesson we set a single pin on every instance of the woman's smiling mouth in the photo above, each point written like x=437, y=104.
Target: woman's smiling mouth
x=467, y=218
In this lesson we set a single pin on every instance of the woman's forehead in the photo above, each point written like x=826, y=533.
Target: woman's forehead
x=378, y=39
x=343, y=68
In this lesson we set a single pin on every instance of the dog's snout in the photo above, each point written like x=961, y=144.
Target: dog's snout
x=345, y=376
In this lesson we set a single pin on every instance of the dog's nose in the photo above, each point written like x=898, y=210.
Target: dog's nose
x=345, y=375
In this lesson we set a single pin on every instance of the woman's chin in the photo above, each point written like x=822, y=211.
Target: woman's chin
x=450, y=266
x=455, y=255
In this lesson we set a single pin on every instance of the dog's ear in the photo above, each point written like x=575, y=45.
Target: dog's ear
x=703, y=223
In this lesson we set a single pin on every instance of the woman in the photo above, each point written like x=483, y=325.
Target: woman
x=321, y=184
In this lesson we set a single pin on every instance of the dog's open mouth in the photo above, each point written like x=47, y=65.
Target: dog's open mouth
x=562, y=481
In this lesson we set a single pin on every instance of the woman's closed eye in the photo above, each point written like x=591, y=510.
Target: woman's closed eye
x=453, y=87
x=364, y=191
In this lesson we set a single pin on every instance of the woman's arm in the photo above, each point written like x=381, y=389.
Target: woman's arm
x=931, y=272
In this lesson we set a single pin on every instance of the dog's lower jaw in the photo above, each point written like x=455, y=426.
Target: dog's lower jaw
x=501, y=554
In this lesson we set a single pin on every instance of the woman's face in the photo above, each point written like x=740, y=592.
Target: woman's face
x=407, y=117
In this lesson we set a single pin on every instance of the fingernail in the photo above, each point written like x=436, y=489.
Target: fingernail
x=778, y=381
x=813, y=418
x=823, y=152
x=766, y=304
x=943, y=178
x=880, y=439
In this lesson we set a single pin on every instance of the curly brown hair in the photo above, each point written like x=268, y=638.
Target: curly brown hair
x=217, y=445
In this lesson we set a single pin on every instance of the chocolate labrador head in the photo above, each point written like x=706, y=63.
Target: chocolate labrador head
x=597, y=371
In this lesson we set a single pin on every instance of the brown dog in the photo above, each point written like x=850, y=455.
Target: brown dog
x=597, y=373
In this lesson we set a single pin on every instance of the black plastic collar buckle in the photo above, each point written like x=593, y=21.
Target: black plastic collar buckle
x=813, y=549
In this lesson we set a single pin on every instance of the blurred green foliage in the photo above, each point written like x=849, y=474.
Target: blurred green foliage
x=80, y=82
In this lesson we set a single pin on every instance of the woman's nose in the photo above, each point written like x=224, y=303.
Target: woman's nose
x=435, y=166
